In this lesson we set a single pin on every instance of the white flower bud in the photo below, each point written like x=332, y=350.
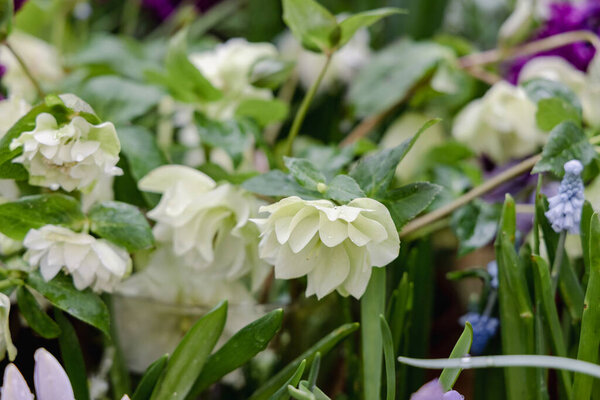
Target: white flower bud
x=95, y=263
x=206, y=224
x=72, y=156
x=335, y=246
x=501, y=124
x=6, y=344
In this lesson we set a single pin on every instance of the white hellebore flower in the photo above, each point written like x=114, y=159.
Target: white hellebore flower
x=208, y=225
x=335, y=246
x=40, y=57
x=50, y=380
x=501, y=124
x=96, y=263
x=72, y=156
x=228, y=68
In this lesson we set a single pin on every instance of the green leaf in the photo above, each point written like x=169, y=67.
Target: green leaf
x=343, y=188
x=241, y=348
x=462, y=347
x=32, y=212
x=567, y=142
x=72, y=357
x=282, y=393
x=372, y=304
x=475, y=225
x=188, y=359
x=392, y=73
x=233, y=136
x=314, y=372
x=312, y=24
x=150, y=378
x=589, y=341
x=546, y=297
x=263, y=111
x=322, y=346
x=276, y=183
x=218, y=173
x=270, y=72
x=120, y=100
x=304, y=172
x=586, y=219
x=364, y=19
x=553, y=111
x=374, y=173
x=82, y=304
x=37, y=318
x=140, y=149
x=399, y=308
x=122, y=224
x=10, y=170
x=390, y=359
x=540, y=89
x=410, y=200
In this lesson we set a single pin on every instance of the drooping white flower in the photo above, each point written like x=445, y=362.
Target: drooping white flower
x=41, y=59
x=228, y=68
x=343, y=67
x=585, y=86
x=71, y=156
x=501, y=124
x=95, y=263
x=6, y=344
x=206, y=224
x=50, y=380
x=334, y=246
x=156, y=306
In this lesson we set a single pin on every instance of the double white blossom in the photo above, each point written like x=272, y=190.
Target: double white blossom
x=501, y=124
x=72, y=156
x=50, y=380
x=206, y=224
x=95, y=263
x=228, y=68
x=334, y=246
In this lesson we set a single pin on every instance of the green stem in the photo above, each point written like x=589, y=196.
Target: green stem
x=560, y=251
x=304, y=107
x=27, y=71
x=372, y=304
x=129, y=19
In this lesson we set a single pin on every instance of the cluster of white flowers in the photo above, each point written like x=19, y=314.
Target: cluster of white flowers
x=206, y=224
x=501, y=124
x=72, y=156
x=41, y=59
x=50, y=380
x=95, y=263
x=335, y=246
x=228, y=68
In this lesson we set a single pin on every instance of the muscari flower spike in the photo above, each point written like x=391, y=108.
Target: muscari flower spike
x=484, y=328
x=564, y=212
x=433, y=390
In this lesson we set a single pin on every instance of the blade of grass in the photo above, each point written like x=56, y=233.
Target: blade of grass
x=390, y=362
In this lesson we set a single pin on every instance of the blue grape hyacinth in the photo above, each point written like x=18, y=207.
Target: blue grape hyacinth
x=484, y=328
x=564, y=211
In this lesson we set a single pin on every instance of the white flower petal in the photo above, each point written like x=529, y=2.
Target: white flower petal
x=289, y=265
x=51, y=380
x=162, y=178
x=14, y=386
x=332, y=233
x=331, y=271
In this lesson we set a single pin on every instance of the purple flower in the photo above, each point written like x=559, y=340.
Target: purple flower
x=18, y=4
x=564, y=209
x=565, y=17
x=164, y=8
x=433, y=390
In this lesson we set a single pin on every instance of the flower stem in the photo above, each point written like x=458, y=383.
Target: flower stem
x=27, y=71
x=304, y=107
x=472, y=194
x=129, y=18
x=558, y=258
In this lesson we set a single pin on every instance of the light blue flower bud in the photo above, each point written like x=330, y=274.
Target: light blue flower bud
x=484, y=328
x=564, y=211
